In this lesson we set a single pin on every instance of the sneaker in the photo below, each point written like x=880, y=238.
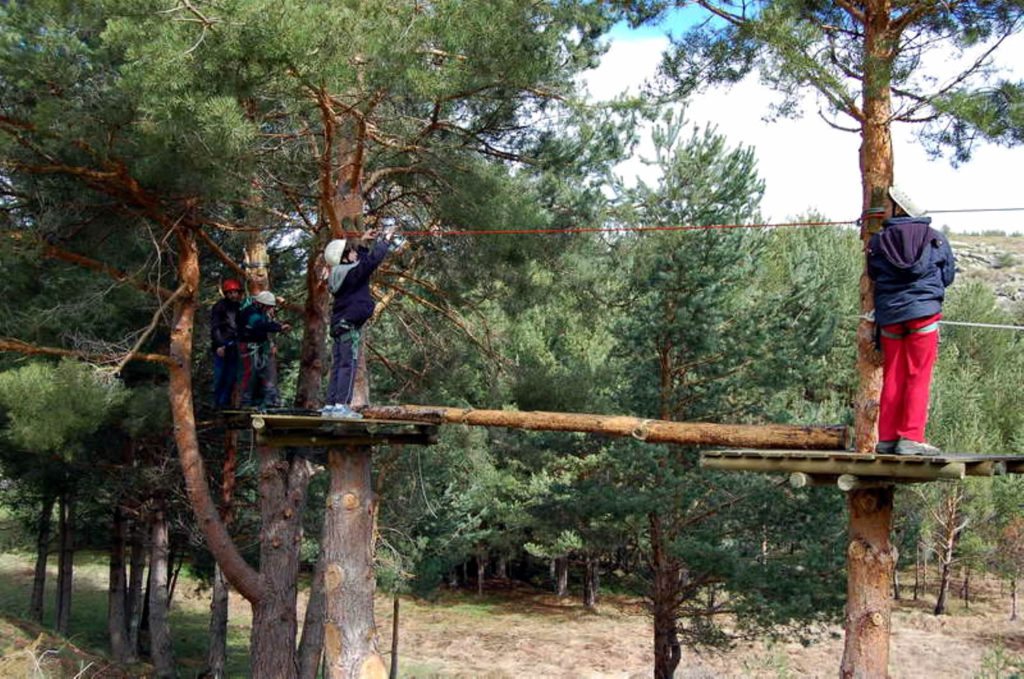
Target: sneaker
x=327, y=411
x=342, y=411
x=886, y=447
x=908, y=447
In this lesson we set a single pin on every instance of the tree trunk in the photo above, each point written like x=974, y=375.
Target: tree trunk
x=311, y=645
x=917, y=570
x=350, y=635
x=896, y=582
x=651, y=431
x=667, y=649
x=66, y=563
x=217, y=651
x=35, y=607
x=965, y=589
x=160, y=648
x=481, y=570
x=561, y=576
x=393, y=672
x=501, y=567
x=870, y=560
x=117, y=594
x=1013, y=598
x=591, y=582
x=136, y=580
x=944, y=577
x=283, y=486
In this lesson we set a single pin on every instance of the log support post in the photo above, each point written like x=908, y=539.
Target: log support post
x=870, y=560
x=350, y=633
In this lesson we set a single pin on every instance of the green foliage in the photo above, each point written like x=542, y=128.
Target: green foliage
x=51, y=407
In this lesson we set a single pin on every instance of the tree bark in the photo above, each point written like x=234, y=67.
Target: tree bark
x=35, y=608
x=217, y=651
x=283, y=486
x=117, y=594
x=591, y=583
x=665, y=571
x=395, y=609
x=560, y=572
x=160, y=648
x=651, y=431
x=1013, y=598
x=66, y=563
x=311, y=645
x=136, y=580
x=870, y=558
x=350, y=635
x=481, y=569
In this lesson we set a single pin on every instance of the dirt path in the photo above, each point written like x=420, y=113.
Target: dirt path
x=524, y=633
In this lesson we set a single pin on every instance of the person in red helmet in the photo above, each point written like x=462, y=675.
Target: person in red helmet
x=224, y=342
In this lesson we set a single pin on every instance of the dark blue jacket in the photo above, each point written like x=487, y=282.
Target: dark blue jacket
x=255, y=326
x=352, y=300
x=911, y=264
x=224, y=323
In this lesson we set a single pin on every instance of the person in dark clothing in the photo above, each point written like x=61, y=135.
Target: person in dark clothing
x=911, y=264
x=349, y=282
x=258, y=377
x=224, y=343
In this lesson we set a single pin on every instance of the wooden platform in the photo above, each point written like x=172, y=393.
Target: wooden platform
x=308, y=429
x=850, y=470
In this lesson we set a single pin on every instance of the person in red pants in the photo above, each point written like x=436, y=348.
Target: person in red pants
x=911, y=264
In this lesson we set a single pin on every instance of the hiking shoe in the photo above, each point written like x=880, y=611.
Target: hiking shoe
x=886, y=447
x=344, y=412
x=908, y=447
x=341, y=411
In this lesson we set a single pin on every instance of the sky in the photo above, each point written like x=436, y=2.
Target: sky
x=808, y=165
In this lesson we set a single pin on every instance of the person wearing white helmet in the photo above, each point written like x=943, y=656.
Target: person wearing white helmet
x=911, y=264
x=257, y=353
x=349, y=282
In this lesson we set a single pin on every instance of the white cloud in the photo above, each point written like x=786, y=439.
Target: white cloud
x=808, y=165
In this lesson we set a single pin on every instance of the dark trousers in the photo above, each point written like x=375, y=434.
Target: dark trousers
x=257, y=379
x=225, y=376
x=343, y=366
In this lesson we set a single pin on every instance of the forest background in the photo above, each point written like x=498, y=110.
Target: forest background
x=144, y=144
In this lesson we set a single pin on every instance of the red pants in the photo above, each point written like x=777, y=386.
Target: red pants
x=907, y=360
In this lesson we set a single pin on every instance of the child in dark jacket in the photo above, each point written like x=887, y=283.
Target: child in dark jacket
x=224, y=343
x=911, y=264
x=258, y=378
x=349, y=282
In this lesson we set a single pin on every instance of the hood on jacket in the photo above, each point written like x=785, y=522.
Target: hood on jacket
x=904, y=238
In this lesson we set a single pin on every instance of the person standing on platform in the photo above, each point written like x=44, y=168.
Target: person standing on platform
x=258, y=354
x=911, y=264
x=224, y=343
x=349, y=283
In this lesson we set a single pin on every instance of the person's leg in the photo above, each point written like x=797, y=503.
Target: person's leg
x=339, y=353
x=271, y=397
x=221, y=390
x=890, y=405
x=922, y=348
x=246, y=378
x=347, y=376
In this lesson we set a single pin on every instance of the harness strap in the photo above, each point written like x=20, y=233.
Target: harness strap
x=931, y=327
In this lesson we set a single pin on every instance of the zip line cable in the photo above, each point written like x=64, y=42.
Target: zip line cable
x=994, y=326
x=612, y=229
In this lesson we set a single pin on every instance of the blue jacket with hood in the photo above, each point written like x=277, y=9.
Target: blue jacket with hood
x=911, y=264
x=350, y=285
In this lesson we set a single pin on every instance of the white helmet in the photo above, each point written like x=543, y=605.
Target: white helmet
x=333, y=252
x=267, y=298
x=901, y=198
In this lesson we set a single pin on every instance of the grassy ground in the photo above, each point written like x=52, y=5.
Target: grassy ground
x=517, y=631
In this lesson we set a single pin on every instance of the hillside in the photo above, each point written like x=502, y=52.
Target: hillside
x=995, y=260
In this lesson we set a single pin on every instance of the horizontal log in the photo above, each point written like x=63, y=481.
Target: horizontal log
x=830, y=437
x=849, y=464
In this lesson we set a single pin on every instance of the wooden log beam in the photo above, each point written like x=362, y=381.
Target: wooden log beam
x=830, y=437
x=837, y=467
